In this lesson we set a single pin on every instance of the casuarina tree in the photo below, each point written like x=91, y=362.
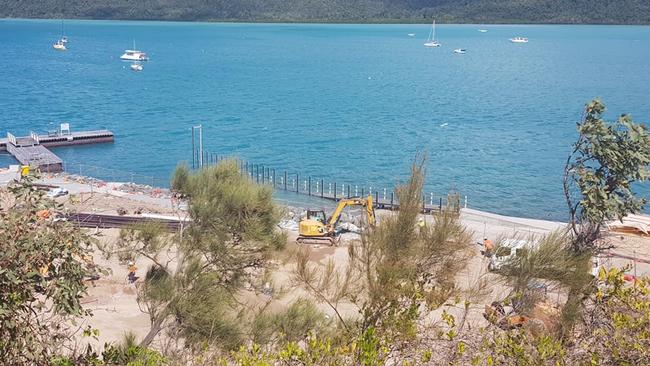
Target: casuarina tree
x=190, y=289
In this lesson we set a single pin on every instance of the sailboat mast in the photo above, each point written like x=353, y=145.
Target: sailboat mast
x=433, y=30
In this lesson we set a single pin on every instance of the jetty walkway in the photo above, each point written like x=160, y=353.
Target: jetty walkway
x=33, y=150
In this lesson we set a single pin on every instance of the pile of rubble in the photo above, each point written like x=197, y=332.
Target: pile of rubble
x=290, y=219
x=130, y=188
x=143, y=189
x=81, y=179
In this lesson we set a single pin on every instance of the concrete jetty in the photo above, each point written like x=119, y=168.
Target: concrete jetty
x=33, y=150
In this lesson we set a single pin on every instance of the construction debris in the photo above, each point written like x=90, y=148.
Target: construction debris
x=631, y=224
x=129, y=188
x=290, y=225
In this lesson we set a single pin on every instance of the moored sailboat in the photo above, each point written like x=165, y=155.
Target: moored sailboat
x=431, y=41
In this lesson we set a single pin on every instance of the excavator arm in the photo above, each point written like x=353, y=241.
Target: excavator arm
x=365, y=202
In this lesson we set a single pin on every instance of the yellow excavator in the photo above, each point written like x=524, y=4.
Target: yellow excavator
x=316, y=228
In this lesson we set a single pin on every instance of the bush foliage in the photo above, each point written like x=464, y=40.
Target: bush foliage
x=42, y=271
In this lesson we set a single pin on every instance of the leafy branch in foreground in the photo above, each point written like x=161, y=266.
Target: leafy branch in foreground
x=599, y=173
x=42, y=271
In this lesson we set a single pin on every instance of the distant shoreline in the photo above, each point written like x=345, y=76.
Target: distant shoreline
x=333, y=22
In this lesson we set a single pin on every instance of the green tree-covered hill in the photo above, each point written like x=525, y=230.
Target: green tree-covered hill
x=447, y=11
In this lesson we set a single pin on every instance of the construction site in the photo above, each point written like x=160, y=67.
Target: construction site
x=327, y=229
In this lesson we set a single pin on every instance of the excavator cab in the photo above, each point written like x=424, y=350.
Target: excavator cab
x=318, y=215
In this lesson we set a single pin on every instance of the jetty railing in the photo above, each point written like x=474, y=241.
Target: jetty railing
x=283, y=180
x=321, y=187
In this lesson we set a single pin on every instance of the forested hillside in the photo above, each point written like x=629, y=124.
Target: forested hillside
x=448, y=11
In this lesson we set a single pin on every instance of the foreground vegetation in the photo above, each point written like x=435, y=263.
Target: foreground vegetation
x=364, y=11
x=400, y=279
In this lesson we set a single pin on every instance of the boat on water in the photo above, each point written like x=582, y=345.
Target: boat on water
x=136, y=66
x=59, y=46
x=483, y=30
x=134, y=55
x=411, y=34
x=460, y=50
x=519, y=40
x=431, y=41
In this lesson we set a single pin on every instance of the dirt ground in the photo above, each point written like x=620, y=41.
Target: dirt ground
x=103, y=203
x=112, y=299
x=114, y=302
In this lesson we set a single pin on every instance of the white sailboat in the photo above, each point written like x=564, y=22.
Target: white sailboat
x=431, y=41
x=59, y=45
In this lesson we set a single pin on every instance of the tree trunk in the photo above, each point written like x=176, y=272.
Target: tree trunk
x=156, y=326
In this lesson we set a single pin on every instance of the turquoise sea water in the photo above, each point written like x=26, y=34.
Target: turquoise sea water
x=351, y=103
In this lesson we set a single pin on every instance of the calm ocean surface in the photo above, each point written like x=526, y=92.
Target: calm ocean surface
x=346, y=102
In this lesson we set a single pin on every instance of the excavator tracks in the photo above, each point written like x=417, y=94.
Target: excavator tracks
x=326, y=240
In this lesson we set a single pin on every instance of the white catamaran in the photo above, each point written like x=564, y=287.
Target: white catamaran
x=134, y=55
x=431, y=41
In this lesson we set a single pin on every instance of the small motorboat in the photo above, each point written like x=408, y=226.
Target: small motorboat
x=136, y=66
x=483, y=30
x=519, y=40
x=59, y=46
x=460, y=51
x=411, y=34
